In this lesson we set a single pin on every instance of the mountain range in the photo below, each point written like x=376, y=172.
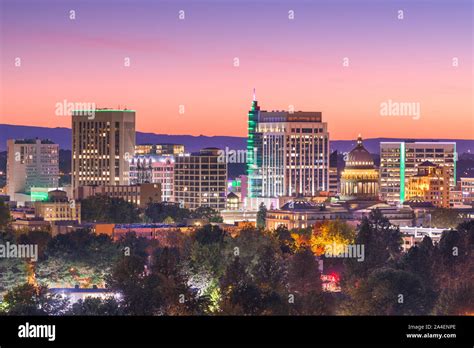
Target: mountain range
x=62, y=136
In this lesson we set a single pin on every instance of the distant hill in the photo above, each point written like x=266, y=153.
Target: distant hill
x=62, y=136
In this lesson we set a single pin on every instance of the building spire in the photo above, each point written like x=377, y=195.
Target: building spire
x=359, y=140
x=254, y=96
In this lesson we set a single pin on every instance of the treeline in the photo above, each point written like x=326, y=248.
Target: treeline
x=262, y=272
x=102, y=208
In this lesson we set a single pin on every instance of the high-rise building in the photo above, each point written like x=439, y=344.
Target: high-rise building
x=102, y=146
x=360, y=178
x=254, y=152
x=400, y=160
x=200, y=179
x=289, y=153
x=159, y=149
x=430, y=184
x=31, y=163
x=154, y=169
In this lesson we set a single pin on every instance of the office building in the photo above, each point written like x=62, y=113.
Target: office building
x=102, y=146
x=430, y=184
x=200, y=179
x=31, y=163
x=400, y=160
x=154, y=169
x=288, y=153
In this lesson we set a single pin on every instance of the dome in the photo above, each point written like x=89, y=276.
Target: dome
x=359, y=157
x=301, y=205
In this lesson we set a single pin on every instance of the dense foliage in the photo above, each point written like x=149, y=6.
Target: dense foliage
x=256, y=272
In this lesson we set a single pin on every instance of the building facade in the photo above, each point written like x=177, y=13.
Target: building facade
x=292, y=154
x=200, y=179
x=360, y=178
x=58, y=208
x=159, y=149
x=154, y=169
x=287, y=153
x=400, y=160
x=302, y=214
x=102, y=146
x=140, y=194
x=467, y=189
x=31, y=163
x=430, y=184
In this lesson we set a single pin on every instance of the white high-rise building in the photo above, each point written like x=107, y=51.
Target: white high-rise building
x=294, y=153
x=31, y=163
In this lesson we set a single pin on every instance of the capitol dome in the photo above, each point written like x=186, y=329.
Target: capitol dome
x=359, y=157
x=359, y=179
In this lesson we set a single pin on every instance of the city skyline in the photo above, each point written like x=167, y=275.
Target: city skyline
x=249, y=158
x=390, y=59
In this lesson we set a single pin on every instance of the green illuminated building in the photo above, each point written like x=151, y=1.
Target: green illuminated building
x=253, y=151
x=399, y=160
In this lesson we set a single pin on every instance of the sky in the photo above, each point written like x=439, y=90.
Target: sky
x=196, y=75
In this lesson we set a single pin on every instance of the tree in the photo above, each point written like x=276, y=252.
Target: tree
x=207, y=213
x=139, y=292
x=235, y=274
x=334, y=234
x=382, y=246
x=303, y=273
x=158, y=212
x=419, y=260
x=26, y=299
x=96, y=306
x=39, y=238
x=4, y=215
x=209, y=234
x=456, y=301
x=306, y=296
x=261, y=216
x=241, y=295
x=285, y=239
x=168, y=220
x=444, y=218
x=387, y=291
x=102, y=208
x=268, y=271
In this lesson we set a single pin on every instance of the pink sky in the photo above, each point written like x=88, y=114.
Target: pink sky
x=190, y=63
